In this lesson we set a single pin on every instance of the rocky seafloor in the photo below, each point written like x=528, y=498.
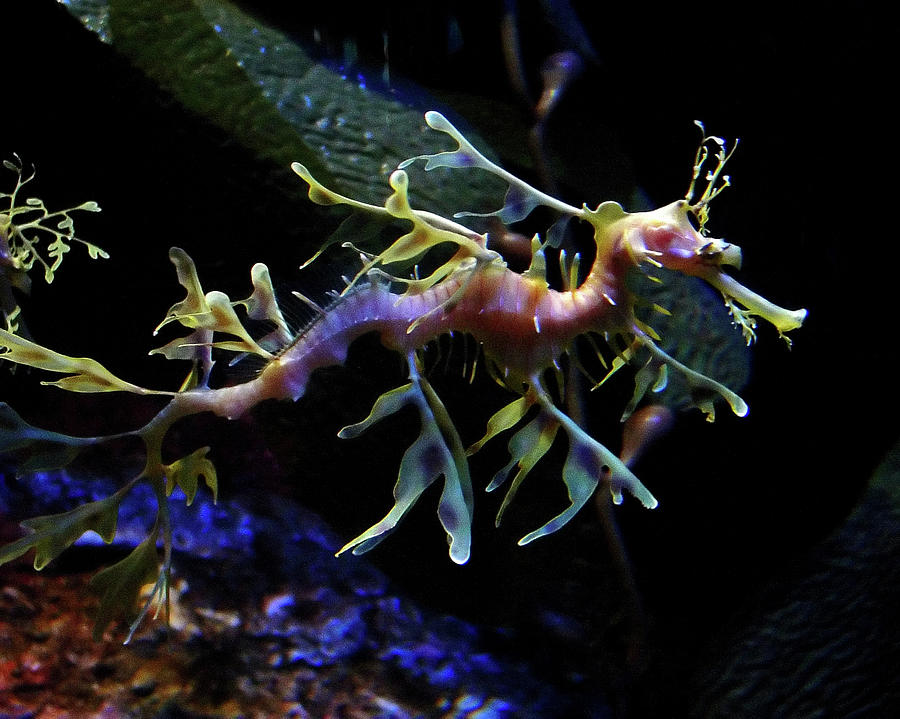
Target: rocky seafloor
x=263, y=622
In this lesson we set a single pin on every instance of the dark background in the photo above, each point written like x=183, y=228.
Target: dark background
x=739, y=499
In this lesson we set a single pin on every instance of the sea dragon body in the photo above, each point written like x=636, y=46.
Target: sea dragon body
x=523, y=326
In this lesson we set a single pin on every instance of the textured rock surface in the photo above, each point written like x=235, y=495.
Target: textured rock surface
x=825, y=640
x=264, y=622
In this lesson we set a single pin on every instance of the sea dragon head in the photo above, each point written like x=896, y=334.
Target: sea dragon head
x=675, y=237
x=667, y=237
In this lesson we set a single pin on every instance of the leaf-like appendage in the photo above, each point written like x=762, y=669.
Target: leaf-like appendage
x=222, y=318
x=321, y=195
x=214, y=312
x=423, y=236
x=53, y=533
x=465, y=155
x=428, y=231
x=263, y=305
x=502, y=420
x=521, y=198
x=652, y=376
x=120, y=584
x=698, y=382
x=186, y=472
x=581, y=474
x=196, y=346
x=195, y=301
x=428, y=458
x=526, y=447
x=40, y=449
x=587, y=462
x=387, y=404
x=86, y=374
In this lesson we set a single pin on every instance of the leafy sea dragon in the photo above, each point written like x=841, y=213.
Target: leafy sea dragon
x=24, y=224
x=523, y=326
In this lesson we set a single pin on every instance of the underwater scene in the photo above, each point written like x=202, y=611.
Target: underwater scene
x=445, y=360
